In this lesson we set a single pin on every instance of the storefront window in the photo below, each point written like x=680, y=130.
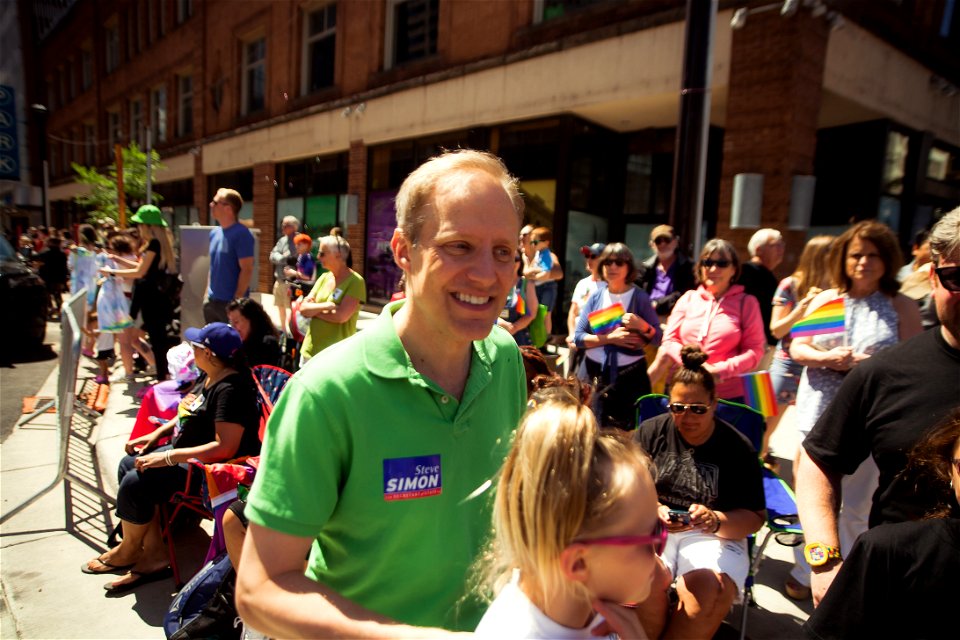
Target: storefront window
x=381, y=272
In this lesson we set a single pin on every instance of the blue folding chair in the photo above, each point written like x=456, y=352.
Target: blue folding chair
x=782, y=519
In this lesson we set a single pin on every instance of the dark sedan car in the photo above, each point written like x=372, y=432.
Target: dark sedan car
x=24, y=305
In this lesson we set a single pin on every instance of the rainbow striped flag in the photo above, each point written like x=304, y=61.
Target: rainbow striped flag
x=828, y=318
x=521, y=305
x=758, y=392
x=607, y=319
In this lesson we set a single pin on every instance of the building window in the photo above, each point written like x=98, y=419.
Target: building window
x=51, y=94
x=544, y=10
x=254, y=76
x=158, y=113
x=62, y=92
x=86, y=69
x=114, y=130
x=136, y=123
x=112, y=48
x=184, y=10
x=411, y=30
x=139, y=15
x=161, y=18
x=185, y=105
x=89, y=145
x=319, y=48
x=71, y=78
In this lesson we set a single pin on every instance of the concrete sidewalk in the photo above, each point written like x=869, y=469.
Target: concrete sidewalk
x=42, y=548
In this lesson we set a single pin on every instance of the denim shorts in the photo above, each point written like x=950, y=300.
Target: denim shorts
x=785, y=377
x=547, y=294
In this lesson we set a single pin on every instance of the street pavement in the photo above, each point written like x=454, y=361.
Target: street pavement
x=44, y=594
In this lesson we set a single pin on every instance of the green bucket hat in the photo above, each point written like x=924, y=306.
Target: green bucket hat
x=149, y=214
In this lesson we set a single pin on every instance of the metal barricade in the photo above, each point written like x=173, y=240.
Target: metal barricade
x=72, y=314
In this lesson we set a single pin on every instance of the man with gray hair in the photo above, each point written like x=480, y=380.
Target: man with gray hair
x=766, y=253
x=280, y=257
x=382, y=452
x=884, y=406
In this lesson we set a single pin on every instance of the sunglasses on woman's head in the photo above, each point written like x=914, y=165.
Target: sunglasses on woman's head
x=696, y=408
x=617, y=261
x=657, y=539
x=949, y=278
x=723, y=264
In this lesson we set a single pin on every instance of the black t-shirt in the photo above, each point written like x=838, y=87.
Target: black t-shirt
x=723, y=473
x=232, y=399
x=760, y=282
x=53, y=266
x=899, y=581
x=883, y=407
x=153, y=270
x=266, y=350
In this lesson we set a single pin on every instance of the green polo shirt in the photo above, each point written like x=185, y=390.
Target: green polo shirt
x=393, y=476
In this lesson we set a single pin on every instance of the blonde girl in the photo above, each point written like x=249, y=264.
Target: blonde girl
x=577, y=532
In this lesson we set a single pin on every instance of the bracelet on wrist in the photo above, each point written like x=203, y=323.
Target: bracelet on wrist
x=167, y=459
x=716, y=528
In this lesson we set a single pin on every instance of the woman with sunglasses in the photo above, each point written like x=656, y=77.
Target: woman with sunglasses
x=217, y=421
x=521, y=306
x=719, y=317
x=623, y=323
x=863, y=264
x=333, y=305
x=576, y=524
x=710, y=496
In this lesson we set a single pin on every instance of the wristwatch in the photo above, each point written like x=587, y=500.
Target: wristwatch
x=819, y=554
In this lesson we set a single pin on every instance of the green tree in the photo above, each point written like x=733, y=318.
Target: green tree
x=101, y=201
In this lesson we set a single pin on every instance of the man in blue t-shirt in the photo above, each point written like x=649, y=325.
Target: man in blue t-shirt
x=231, y=257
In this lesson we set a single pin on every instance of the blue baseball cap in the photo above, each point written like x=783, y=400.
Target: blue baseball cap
x=222, y=339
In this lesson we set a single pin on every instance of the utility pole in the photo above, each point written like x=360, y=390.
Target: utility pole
x=693, y=125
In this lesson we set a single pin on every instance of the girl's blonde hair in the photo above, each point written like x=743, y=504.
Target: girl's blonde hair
x=167, y=258
x=564, y=478
x=814, y=267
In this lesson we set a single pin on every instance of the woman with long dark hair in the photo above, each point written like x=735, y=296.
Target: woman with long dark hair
x=260, y=342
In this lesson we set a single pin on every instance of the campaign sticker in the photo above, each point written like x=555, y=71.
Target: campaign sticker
x=411, y=478
x=337, y=294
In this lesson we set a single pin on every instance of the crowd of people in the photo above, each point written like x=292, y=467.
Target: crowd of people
x=457, y=482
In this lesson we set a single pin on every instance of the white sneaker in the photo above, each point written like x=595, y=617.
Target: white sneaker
x=119, y=376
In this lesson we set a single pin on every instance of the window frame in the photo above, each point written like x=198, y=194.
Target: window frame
x=137, y=125
x=159, y=116
x=111, y=47
x=247, y=67
x=390, y=34
x=308, y=40
x=184, y=105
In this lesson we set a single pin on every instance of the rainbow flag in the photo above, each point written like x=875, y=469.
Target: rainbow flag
x=758, y=392
x=606, y=320
x=521, y=306
x=826, y=319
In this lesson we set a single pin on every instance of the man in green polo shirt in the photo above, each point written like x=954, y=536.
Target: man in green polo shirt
x=379, y=456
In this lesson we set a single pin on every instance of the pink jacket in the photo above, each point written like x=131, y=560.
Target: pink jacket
x=733, y=338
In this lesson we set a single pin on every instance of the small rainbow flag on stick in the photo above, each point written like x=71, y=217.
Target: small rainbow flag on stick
x=758, y=392
x=521, y=305
x=607, y=319
x=826, y=319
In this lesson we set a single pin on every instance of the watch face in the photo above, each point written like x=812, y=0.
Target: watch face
x=817, y=555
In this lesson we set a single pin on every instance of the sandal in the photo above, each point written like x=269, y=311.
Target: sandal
x=114, y=589
x=110, y=568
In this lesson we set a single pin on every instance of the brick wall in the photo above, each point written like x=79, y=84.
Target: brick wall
x=264, y=219
x=357, y=185
x=776, y=75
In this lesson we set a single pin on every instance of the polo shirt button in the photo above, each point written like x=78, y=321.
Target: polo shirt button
x=444, y=399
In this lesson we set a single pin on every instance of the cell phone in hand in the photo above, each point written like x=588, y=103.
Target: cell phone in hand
x=679, y=516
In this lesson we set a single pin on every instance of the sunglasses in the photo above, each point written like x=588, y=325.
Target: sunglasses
x=949, y=278
x=657, y=539
x=662, y=240
x=617, y=261
x=534, y=242
x=696, y=409
x=722, y=264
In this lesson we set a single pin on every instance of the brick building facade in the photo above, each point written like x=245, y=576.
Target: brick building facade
x=299, y=103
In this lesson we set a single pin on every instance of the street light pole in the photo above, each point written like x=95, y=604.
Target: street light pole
x=693, y=125
x=41, y=114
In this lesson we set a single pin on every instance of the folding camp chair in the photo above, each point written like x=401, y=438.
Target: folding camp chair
x=782, y=519
x=270, y=383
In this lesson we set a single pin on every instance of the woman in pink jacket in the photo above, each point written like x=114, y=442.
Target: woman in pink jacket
x=718, y=317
